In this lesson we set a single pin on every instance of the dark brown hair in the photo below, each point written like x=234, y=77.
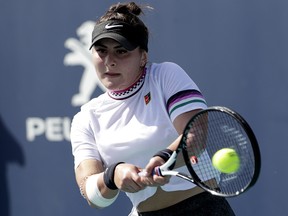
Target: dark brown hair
x=129, y=13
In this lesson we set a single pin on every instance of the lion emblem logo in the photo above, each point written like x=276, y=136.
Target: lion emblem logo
x=81, y=55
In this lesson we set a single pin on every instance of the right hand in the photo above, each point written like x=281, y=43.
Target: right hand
x=127, y=179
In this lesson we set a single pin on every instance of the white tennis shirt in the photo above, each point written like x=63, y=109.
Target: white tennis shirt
x=133, y=124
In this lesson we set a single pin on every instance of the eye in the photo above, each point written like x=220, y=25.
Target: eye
x=100, y=50
x=121, y=51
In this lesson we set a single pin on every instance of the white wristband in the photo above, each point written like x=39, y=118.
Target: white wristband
x=94, y=195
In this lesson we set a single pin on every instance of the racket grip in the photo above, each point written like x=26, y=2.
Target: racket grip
x=157, y=171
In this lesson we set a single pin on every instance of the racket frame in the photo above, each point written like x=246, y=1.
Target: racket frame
x=163, y=170
x=254, y=145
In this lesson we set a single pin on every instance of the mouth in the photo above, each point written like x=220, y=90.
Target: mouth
x=111, y=74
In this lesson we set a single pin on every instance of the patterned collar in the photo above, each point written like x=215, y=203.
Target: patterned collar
x=130, y=91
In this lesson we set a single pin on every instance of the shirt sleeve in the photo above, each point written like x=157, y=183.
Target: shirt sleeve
x=82, y=139
x=180, y=91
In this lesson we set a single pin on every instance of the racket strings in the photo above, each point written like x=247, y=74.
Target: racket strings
x=210, y=132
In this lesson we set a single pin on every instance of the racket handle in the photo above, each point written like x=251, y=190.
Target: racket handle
x=157, y=171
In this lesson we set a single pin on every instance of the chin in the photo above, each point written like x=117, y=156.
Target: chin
x=111, y=87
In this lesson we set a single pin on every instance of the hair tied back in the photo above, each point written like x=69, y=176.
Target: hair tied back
x=131, y=8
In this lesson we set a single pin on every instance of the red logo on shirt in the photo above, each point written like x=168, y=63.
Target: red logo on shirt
x=147, y=98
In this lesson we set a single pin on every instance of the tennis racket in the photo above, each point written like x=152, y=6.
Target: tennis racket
x=206, y=133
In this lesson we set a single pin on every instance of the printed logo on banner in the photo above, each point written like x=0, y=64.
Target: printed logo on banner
x=57, y=129
x=81, y=55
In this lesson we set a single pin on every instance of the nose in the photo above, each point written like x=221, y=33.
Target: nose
x=110, y=61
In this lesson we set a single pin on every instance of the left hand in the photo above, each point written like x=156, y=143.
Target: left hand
x=155, y=180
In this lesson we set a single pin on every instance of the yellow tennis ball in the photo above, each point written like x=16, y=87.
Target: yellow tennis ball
x=226, y=160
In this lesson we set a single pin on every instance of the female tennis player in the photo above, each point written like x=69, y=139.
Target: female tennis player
x=136, y=124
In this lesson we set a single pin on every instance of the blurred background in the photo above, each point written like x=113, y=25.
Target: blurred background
x=236, y=51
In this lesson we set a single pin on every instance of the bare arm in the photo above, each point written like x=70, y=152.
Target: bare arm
x=180, y=123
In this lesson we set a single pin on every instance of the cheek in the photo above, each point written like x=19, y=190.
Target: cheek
x=134, y=63
x=97, y=62
x=95, y=58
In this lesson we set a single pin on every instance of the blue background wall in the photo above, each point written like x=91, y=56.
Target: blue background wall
x=236, y=51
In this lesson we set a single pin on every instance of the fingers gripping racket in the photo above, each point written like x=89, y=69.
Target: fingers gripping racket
x=220, y=151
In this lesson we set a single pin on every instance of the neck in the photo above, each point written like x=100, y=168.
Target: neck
x=131, y=90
